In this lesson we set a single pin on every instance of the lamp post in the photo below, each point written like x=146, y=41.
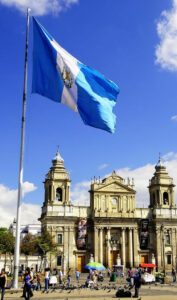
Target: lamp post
x=163, y=247
x=113, y=243
x=63, y=263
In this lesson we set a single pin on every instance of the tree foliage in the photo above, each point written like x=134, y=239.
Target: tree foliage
x=28, y=245
x=45, y=243
x=7, y=241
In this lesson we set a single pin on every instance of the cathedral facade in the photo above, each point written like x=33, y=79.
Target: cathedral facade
x=111, y=230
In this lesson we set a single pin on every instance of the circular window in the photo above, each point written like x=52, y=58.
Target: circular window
x=114, y=201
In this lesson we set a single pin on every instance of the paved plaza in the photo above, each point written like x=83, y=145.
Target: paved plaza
x=153, y=292
x=106, y=290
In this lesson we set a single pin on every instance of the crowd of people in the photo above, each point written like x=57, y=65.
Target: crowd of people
x=32, y=280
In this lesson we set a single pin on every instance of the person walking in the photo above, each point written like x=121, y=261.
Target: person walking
x=3, y=283
x=137, y=272
x=109, y=272
x=28, y=278
x=130, y=272
x=60, y=276
x=77, y=275
x=137, y=285
x=38, y=275
x=130, y=276
x=69, y=277
x=173, y=273
x=47, y=277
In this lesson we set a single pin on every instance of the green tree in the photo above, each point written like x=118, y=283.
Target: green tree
x=7, y=242
x=28, y=245
x=45, y=245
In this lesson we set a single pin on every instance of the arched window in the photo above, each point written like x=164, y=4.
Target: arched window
x=114, y=201
x=157, y=192
x=168, y=237
x=153, y=198
x=50, y=192
x=59, y=195
x=165, y=198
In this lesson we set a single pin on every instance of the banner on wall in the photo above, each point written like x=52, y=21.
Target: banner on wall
x=144, y=234
x=81, y=234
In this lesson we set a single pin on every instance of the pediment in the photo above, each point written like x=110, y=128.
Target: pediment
x=115, y=187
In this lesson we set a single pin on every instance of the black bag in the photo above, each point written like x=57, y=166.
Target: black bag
x=121, y=293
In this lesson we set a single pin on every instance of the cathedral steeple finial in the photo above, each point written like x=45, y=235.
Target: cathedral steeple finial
x=160, y=163
x=58, y=156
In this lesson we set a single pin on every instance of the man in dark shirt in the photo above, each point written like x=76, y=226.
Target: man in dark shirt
x=137, y=285
x=3, y=283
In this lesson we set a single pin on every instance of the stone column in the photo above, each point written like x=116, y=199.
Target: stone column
x=160, y=197
x=135, y=247
x=96, y=243
x=68, y=193
x=53, y=193
x=65, y=250
x=173, y=242
x=158, y=248
x=123, y=248
x=70, y=246
x=101, y=245
x=130, y=247
x=108, y=246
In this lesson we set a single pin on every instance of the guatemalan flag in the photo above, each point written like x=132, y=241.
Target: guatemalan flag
x=61, y=77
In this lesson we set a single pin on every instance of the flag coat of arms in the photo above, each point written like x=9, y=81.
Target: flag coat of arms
x=64, y=79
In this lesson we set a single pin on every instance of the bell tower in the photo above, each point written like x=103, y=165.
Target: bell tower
x=161, y=188
x=57, y=183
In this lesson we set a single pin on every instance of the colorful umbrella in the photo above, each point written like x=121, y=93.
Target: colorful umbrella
x=95, y=266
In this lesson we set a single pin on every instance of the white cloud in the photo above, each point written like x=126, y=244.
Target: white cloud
x=166, y=51
x=40, y=7
x=174, y=118
x=79, y=194
x=169, y=156
x=8, y=203
x=103, y=166
x=141, y=176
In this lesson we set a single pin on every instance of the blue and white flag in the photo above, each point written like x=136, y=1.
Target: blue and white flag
x=61, y=77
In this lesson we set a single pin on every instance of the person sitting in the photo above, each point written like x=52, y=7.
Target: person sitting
x=100, y=276
x=89, y=283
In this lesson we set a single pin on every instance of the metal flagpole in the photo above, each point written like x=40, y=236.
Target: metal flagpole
x=20, y=182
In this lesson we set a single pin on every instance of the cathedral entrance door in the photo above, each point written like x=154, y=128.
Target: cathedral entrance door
x=144, y=259
x=80, y=263
x=113, y=258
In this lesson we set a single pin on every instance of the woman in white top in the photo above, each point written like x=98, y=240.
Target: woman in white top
x=47, y=277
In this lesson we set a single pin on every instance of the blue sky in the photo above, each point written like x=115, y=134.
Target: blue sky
x=120, y=39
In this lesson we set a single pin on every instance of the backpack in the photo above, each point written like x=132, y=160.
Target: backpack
x=121, y=293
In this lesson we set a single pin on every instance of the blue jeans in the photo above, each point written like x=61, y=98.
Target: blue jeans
x=69, y=280
x=2, y=293
x=46, y=284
